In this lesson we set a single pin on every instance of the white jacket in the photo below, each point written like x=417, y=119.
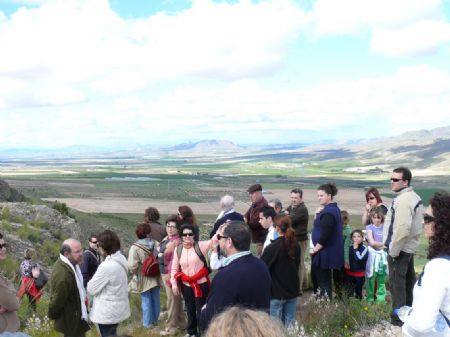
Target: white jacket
x=109, y=289
x=433, y=295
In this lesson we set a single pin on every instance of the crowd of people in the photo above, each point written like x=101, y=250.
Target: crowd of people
x=93, y=285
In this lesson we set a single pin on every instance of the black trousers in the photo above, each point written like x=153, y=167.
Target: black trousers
x=321, y=279
x=354, y=285
x=194, y=307
x=402, y=278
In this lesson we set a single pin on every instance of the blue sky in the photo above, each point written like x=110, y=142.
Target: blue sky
x=124, y=72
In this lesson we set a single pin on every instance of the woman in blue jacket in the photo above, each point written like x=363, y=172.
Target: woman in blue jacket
x=327, y=251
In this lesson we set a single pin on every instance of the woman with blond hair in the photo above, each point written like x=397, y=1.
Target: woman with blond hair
x=242, y=322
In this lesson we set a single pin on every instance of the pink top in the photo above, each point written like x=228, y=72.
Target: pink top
x=190, y=262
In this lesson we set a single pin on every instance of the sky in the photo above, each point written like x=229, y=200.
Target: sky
x=126, y=72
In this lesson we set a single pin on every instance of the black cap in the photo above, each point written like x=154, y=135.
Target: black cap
x=254, y=188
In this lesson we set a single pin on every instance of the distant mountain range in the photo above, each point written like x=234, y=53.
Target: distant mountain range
x=422, y=149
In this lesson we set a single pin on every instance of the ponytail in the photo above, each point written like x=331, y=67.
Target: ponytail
x=284, y=222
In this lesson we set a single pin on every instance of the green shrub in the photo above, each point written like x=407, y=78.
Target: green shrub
x=6, y=214
x=18, y=219
x=10, y=268
x=27, y=233
x=6, y=226
x=40, y=224
x=61, y=207
x=56, y=232
x=49, y=252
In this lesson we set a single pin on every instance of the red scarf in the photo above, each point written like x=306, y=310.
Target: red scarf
x=192, y=280
x=29, y=286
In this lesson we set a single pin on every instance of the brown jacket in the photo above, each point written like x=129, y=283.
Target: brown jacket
x=9, y=321
x=252, y=218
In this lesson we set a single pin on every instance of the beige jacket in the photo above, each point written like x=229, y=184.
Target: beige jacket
x=139, y=283
x=9, y=321
x=405, y=217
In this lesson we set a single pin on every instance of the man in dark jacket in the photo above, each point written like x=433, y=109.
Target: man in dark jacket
x=251, y=217
x=228, y=213
x=244, y=280
x=67, y=296
x=91, y=260
x=299, y=216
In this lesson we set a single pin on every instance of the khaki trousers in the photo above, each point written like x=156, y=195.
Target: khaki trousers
x=302, y=270
x=259, y=248
x=175, y=314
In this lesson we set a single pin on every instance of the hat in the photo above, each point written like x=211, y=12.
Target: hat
x=254, y=188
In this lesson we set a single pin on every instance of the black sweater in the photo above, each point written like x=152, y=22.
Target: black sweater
x=283, y=269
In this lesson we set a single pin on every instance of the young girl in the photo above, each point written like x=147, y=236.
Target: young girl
x=355, y=276
x=377, y=269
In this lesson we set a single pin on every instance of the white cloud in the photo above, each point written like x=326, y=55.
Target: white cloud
x=402, y=27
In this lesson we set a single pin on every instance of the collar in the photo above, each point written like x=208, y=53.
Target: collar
x=233, y=257
x=404, y=189
x=231, y=210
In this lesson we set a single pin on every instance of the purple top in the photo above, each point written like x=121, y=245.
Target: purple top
x=377, y=232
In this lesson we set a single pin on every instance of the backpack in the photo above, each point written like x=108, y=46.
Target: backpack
x=199, y=254
x=150, y=266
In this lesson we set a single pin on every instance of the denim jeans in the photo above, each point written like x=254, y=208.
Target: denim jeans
x=284, y=310
x=150, y=307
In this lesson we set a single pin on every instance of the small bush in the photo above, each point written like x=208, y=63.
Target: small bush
x=61, y=207
x=49, y=252
x=40, y=224
x=6, y=226
x=27, y=233
x=6, y=214
x=18, y=219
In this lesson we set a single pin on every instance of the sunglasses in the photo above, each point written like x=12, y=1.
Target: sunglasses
x=395, y=180
x=187, y=234
x=219, y=237
x=94, y=242
x=428, y=218
x=3, y=245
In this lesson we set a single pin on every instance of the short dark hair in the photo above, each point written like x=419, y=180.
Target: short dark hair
x=360, y=232
x=268, y=211
x=109, y=242
x=297, y=191
x=187, y=226
x=143, y=230
x=345, y=217
x=92, y=236
x=406, y=173
x=328, y=189
x=65, y=248
x=239, y=234
x=174, y=218
x=152, y=214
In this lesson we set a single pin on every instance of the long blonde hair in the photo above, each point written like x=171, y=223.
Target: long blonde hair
x=241, y=322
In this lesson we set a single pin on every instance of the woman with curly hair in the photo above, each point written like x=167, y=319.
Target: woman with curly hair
x=430, y=312
x=282, y=257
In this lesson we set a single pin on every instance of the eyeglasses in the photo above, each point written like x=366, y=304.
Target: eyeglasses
x=427, y=218
x=395, y=180
x=171, y=226
x=4, y=245
x=187, y=234
x=219, y=237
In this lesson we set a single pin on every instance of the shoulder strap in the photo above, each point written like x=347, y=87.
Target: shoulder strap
x=179, y=250
x=200, y=254
x=143, y=248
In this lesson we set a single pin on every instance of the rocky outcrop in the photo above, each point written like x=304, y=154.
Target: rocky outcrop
x=38, y=227
x=9, y=194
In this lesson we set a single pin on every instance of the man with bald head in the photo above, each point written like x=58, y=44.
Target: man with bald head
x=67, y=295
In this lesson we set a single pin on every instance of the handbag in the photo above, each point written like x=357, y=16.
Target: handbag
x=41, y=280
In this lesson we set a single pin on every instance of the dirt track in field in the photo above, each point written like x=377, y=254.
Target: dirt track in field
x=351, y=200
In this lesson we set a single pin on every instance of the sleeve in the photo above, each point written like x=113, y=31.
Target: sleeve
x=347, y=244
x=84, y=267
x=402, y=227
x=133, y=260
x=175, y=268
x=8, y=300
x=214, y=261
x=58, y=296
x=268, y=256
x=100, y=279
x=429, y=299
x=221, y=296
x=327, y=221
x=205, y=246
x=300, y=217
